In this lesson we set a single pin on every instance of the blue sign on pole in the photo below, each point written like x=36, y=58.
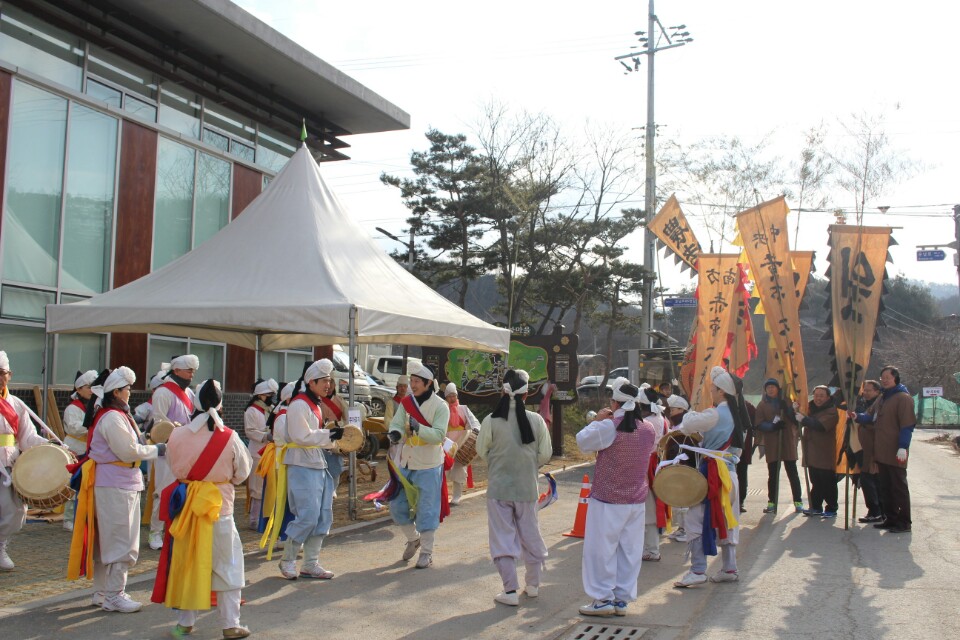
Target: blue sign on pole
x=927, y=255
x=680, y=302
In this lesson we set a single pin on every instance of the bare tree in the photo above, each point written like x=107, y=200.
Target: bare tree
x=813, y=173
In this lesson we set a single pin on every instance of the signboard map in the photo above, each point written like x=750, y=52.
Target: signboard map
x=480, y=374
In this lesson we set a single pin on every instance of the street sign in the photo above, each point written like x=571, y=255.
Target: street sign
x=927, y=255
x=680, y=302
x=932, y=392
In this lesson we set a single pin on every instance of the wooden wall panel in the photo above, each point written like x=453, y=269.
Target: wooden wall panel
x=134, y=243
x=241, y=363
x=6, y=85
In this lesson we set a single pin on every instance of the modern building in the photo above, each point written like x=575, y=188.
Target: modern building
x=130, y=132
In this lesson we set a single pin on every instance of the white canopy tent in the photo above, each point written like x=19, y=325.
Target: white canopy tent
x=289, y=272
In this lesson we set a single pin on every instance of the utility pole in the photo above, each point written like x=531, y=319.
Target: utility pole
x=652, y=37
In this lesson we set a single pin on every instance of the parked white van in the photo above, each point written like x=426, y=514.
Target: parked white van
x=389, y=368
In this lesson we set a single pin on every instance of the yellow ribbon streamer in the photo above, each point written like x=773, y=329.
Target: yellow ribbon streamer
x=272, y=531
x=267, y=469
x=726, y=485
x=191, y=564
x=85, y=524
x=410, y=489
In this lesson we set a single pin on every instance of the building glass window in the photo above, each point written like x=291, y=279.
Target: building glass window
x=243, y=151
x=284, y=365
x=24, y=304
x=173, y=212
x=100, y=91
x=122, y=73
x=31, y=221
x=30, y=44
x=88, y=210
x=139, y=108
x=217, y=140
x=273, y=149
x=179, y=110
x=213, y=197
x=24, y=347
x=78, y=352
x=211, y=355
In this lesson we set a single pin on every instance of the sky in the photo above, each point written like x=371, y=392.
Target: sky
x=756, y=69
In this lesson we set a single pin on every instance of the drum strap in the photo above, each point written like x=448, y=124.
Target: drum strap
x=410, y=405
x=182, y=396
x=330, y=404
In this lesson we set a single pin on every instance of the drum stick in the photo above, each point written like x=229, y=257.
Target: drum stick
x=49, y=431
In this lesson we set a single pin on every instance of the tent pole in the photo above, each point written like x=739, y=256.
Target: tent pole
x=44, y=380
x=256, y=375
x=352, y=495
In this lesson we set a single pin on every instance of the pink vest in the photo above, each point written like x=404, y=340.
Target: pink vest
x=620, y=475
x=110, y=475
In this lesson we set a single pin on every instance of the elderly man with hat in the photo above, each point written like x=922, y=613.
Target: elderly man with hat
x=417, y=432
x=462, y=421
x=76, y=433
x=720, y=448
x=209, y=459
x=106, y=536
x=310, y=485
x=258, y=434
x=613, y=545
x=173, y=401
x=17, y=434
x=515, y=443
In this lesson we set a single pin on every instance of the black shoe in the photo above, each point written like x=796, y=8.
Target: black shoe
x=886, y=524
x=743, y=509
x=900, y=528
x=868, y=519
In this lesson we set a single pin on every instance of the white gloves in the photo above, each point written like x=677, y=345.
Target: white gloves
x=775, y=420
x=901, y=455
x=800, y=417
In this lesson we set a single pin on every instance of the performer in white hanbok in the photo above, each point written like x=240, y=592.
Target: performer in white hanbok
x=309, y=483
x=721, y=446
x=210, y=459
x=144, y=411
x=17, y=434
x=417, y=432
x=462, y=421
x=173, y=401
x=515, y=443
x=108, y=513
x=651, y=409
x=258, y=434
x=76, y=433
x=613, y=543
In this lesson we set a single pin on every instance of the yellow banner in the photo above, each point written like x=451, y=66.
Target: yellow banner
x=671, y=228
x=764, y=233
x=802, y=269
x=858, y=257
x=719, y=276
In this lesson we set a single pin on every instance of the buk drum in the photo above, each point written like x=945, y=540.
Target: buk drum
x=467, y=448
x=679, y=485
x=352, y=440
x=41, y=478
x=160, y=432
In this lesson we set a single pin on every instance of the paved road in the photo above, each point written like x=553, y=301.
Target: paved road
x=799, y=578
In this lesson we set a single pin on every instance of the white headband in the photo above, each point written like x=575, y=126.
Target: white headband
x=421, y=371
x=267, y=386
x=188, y=361
x=118, y=379
x=85, y=379
x=722, y=378
x=212, y=411
x=628, y=402
x=322, y=368
x=450, y=389
x=524, y=379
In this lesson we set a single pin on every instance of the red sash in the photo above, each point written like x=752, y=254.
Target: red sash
x=182, y=396
x=397, y=399
x=259, y=408
x=333, y=406
x=10, y=415
x=72, y=467
x=313, y=406
x=410, y=405
x=76, y=402
x=211, y=453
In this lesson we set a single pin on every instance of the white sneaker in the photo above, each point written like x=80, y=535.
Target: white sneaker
x=531, y=591
x=511, y=599
x=6, y=564
x=679, y=533
x=288, y=569
x=725, y=576
x=680, y=538
x=425, y=560
x=96, y=600
x=651, y=556
x=690, y=579
x=601, y=608
x=620, y=607
x=156, y=540
x=121, y=602
x=411, y=548
x=314, y=570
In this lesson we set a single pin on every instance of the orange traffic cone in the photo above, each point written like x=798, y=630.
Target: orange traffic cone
x=580, y=521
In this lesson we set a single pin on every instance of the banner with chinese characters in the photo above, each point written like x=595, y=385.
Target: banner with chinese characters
x=719, y=278
x=672, y=230
x=858, y=257
x=763, y=230
x=743, y=346
x=802, y=269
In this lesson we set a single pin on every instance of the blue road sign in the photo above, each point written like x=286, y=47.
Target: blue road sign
x=926, y=255
x=680, y=302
